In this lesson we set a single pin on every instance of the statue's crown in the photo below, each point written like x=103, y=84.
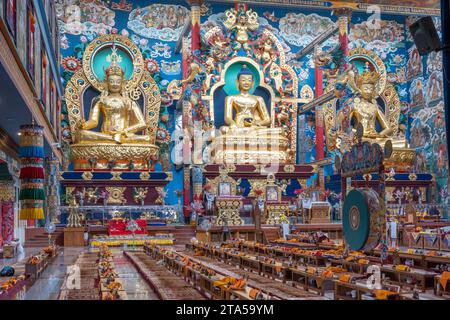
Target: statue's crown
x=114, y=68
x=368, y=77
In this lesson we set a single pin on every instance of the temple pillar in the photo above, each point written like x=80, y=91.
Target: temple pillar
x=195, y=27
x=197, y=179
x=344, y=16
x=320, y=152
x=186, y=107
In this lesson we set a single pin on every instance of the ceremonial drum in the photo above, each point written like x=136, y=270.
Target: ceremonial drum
x=363, y=219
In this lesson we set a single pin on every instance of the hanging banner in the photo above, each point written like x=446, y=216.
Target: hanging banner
x=31, y=153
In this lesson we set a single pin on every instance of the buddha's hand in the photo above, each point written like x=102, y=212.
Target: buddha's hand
x=82, y=124
x=117, y=137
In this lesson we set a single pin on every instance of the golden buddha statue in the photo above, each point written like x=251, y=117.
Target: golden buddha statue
x=251, y=114
x=248, y=136
x=122, y=117
x=367, y=112
x=118, y=144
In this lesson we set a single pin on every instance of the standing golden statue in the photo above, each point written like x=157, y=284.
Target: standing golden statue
x=122, y=117
x=367, y=112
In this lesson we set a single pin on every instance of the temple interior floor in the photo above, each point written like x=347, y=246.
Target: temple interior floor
x=140, y=274
x=134, y=285
x=48, y=286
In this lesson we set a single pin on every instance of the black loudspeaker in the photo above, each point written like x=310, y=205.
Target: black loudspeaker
x=425, y=36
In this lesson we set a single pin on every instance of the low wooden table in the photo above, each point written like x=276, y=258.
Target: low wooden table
x=341, y=290
x=439, y=290
x=311, y=281
x=251, y=264
x=422, y=296
x=424, y=278
x=350, y=265
x=35, y=270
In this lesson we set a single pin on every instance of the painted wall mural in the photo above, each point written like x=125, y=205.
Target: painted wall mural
x=300, y=29
x=427, y=129
x=84, y=17
x=159, y=21
x=156, y=26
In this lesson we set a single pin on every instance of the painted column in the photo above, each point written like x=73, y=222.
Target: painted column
x=195, y=31
x=320, y=152
x=187, y=107
x=344, y=16
x=187, y=140
x=197, y=175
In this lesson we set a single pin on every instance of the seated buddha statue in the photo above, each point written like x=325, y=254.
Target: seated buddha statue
x=122, y=117
x=247, y=136
x=367, y=112
x=251, y=114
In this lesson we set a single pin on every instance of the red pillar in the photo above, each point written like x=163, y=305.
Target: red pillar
x=344, y=16
x=187, y=110
x=320, y=145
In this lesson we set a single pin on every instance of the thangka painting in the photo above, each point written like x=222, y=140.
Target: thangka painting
x=159, y=21
x=416, y=92
x=415, y=66
x=428, y=136
x=427, y=129
x=84, y=17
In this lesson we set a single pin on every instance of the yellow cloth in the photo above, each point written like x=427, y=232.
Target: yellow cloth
x=310, y=270
x=345, y=278
x=363, y=261
x=444, y=279
x=31, y=214
x=383, y=294
x=219, y=283
x=401, y=267
x=350, y=259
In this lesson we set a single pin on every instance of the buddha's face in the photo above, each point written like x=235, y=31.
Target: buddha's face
x=114, y=83
x=367, y=90
x=245, y=82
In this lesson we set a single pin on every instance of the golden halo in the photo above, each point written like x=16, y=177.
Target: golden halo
x=123, y=43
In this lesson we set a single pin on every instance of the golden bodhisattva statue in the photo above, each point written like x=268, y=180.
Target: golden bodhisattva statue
x=122, y=117
x=367, y=112
x=248, y=136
